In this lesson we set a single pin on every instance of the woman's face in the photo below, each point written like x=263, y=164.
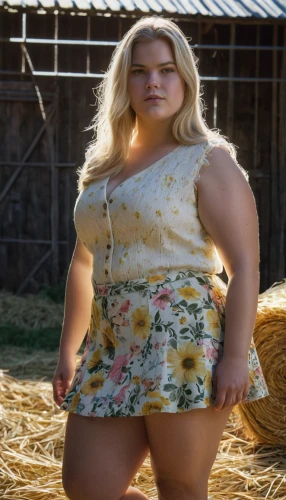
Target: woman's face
x=153, y=71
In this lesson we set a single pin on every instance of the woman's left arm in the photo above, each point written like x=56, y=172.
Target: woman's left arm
x=227, y=210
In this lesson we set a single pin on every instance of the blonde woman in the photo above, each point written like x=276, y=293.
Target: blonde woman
x=163, y=205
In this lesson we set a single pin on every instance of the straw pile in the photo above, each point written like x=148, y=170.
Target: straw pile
x=30, y=311
x=32, y=430
x=265, y=420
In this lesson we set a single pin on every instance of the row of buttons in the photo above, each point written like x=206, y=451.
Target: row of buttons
x=108, y=246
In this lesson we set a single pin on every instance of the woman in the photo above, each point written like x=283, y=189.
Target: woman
x=163, y=206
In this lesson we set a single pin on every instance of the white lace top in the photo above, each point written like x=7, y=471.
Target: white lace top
x=150, y=225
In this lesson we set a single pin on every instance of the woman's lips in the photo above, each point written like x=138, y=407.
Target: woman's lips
x=154, y=99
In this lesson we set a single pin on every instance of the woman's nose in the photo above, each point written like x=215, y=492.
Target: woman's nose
x=152, y=80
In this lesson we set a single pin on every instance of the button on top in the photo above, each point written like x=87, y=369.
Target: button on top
x=108, y=246
x=104, y=206
x=110, y=201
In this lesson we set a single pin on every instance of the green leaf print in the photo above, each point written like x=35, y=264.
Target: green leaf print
x=183, y=303
x=158, y=328
x=172, y=343
x=169, y=387
x=201, y=281
x=132, y=399
x=184, y=330
x=172, y=396
x=181, y=400
x=198, y=398
x=157, y=317
x=192, y=308
x=200, y=380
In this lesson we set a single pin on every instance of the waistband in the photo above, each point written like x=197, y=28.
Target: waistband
x=141, y=284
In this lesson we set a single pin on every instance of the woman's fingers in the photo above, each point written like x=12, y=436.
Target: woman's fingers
x=220, y=398
x=60, y=388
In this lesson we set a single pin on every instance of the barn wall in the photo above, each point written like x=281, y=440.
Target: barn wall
x=251, y=115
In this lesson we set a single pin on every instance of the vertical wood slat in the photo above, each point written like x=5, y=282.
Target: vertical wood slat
x=54, y=209
x=282, y=162
x=230, y=103
x=256, y=96
x=274, y=218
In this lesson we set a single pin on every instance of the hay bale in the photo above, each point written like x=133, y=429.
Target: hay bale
x=265, y=420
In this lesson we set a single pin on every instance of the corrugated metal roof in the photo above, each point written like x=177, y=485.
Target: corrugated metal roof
x=214, y=8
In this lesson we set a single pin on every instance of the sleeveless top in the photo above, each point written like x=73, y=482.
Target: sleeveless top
x=150, y=225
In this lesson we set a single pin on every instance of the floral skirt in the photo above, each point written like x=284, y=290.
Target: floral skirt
x=152, y=346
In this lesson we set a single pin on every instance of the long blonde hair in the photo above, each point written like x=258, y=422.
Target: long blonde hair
x=115, y=120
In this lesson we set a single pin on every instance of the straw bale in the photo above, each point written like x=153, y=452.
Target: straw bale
x=265, y=420
x=30, y=311
x=32, y=436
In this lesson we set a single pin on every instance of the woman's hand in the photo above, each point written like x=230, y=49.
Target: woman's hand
x=63, y=377
x=230, y=382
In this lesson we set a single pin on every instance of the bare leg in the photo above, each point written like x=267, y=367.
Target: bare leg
x=134, y=494
x=183, y=448
x=102, y=456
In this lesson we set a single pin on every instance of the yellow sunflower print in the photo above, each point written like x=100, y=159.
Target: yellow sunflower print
x=189, y=293
x=94, y=320
x=142, y=322
x=187, y=362
x=208, y=381
x=94, y=360
x=154, y=279
x=157, y=394
x=213, y=323
x=109, y=338
x=93, y=384
x=154, y=407
x=75, y=401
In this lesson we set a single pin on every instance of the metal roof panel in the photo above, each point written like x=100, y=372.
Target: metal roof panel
x=275, y=9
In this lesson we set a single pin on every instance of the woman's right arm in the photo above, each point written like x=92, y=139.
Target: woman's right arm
x=77, y=310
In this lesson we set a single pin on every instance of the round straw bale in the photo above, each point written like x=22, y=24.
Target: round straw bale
x=264, y=420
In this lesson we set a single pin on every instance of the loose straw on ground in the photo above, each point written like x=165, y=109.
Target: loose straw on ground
x=32, y=430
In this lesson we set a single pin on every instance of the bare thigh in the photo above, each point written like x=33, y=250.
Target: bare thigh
x=102, y=455
x=183, y=447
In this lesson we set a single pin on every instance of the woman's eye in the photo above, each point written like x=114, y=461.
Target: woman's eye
x=164, y=70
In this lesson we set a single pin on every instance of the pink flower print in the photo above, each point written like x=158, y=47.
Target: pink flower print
x=118, y=319
x=78, y=378
x=102, y=290
x=206, y=287
x=120, y=396
x=135, y=349
x=157, y=345
x=115, y=373
x=92, y=414
x=84, y=356
x=258, y=371
x=161, y=299
x=125, y=322
x=125, y=306
x=212, y=353
x=147, y=383
x=164, y=342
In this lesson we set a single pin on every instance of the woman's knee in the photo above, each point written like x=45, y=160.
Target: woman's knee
x=170, y=489
x=78, y=489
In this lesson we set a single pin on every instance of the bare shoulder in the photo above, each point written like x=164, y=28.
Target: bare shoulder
x=221, y=170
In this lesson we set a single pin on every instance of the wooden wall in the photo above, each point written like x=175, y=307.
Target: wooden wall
x=37, y=208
